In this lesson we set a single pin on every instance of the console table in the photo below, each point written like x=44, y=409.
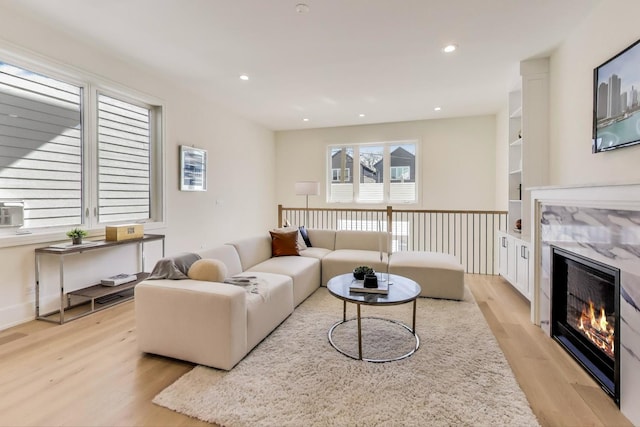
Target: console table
x=96, y=296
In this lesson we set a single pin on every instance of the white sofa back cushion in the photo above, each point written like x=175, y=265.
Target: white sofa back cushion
x=362, y=240
x=252, y=250
x=322, y=238
x=226, y=254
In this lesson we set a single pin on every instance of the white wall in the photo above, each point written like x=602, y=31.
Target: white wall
x=237, y=204
x=457, y=160
x=611, y=27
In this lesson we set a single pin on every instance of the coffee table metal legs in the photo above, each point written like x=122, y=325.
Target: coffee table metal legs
x=359, y=334
x=359, y=320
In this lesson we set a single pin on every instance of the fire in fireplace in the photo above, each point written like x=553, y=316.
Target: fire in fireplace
x=585, y=315
x=597, y=328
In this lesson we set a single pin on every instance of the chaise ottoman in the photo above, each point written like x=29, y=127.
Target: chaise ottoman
x=440, y=275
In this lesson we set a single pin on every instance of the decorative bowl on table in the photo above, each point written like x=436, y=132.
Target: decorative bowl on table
x=361, y=271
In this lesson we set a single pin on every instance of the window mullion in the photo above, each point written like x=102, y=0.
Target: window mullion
x=386, y=182
x=356, y=173
x=90, y=177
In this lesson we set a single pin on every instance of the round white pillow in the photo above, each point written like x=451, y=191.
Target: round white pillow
x=210, y=270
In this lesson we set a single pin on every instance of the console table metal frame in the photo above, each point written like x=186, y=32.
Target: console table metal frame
x=90, y=293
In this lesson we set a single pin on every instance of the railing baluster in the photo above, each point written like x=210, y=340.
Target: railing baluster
x=468, y=235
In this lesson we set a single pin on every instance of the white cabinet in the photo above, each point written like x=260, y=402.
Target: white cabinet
x=514, y=262
x=507, y=259
x=515, y=160
x=528, y=163
x=528, y=156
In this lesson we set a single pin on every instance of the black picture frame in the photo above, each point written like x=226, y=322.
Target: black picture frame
x=616, y=101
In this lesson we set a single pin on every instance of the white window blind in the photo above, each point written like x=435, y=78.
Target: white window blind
x=41, y=146
x=124, y=163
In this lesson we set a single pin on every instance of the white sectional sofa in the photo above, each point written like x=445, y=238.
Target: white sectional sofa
x=217, y=324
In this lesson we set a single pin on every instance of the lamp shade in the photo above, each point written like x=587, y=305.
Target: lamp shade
x=307, y=188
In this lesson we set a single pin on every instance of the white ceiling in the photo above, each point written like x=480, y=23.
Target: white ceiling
x=381, y=58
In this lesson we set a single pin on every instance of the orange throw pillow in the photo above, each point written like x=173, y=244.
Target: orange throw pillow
x=284, y=243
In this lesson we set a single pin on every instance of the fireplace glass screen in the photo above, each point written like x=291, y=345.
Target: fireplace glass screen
x=585, y=309
x=591, y=309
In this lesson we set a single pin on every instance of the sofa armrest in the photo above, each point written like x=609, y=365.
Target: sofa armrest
x=201, y=322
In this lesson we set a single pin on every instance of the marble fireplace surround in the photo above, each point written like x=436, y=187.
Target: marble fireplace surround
x=601, y=222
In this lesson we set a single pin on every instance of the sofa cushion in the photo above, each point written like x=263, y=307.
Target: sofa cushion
x=343, y=261
x=305, y=272
x=226, y=254
x=269, y=307
x=284, y=243
x=252, y=250
x=363, y=240
x=439, y=275
x=201, y=322
x=210, y=270
x=322, y=238
x=314, y=252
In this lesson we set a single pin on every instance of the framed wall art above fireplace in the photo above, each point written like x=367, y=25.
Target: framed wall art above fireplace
x=616, y=101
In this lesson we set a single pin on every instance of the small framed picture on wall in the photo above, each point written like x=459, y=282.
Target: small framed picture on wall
x=193, y=169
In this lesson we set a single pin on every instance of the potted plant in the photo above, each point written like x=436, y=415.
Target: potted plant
x=361, y=271
x=76, y=235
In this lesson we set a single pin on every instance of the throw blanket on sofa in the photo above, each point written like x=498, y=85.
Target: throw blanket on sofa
x=175, y=267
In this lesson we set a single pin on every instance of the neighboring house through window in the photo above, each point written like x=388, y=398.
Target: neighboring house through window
x=367, y=183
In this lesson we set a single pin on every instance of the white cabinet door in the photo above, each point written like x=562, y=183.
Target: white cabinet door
x=507, y=259
x=522, y=267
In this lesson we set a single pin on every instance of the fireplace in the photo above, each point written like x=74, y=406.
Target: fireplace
x=585, y=315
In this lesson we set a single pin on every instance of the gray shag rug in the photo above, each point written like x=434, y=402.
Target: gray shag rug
x=458, y=376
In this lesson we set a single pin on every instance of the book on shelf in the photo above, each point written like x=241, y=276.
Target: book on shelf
x=119, y=279
x=358, y=286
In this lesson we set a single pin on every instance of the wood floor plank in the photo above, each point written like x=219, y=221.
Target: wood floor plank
x=89, y=372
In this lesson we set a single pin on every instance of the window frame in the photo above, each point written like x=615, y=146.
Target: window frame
x=91, y=85
x=386, y=172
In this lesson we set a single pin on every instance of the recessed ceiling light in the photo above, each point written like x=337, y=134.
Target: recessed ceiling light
x=302, y=8
x=437, y=109
x=305, y=120
x=361, y=114
x=449, y=48
x=244, y=77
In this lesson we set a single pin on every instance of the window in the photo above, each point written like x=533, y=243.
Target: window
x=124, y=158
x=371, y=168
x=341, y=185
x=338, y=173
x=400, y=173
x=385, y=173
x=45, y=142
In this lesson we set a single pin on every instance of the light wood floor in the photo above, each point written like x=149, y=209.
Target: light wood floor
x=89, y=372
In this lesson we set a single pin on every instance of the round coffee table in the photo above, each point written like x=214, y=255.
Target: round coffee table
x=401, y=291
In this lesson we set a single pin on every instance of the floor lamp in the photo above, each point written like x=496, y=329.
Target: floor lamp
x=307, y=188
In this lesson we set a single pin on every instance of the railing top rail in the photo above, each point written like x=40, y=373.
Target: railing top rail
x=334, y=209
x=396, y=210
